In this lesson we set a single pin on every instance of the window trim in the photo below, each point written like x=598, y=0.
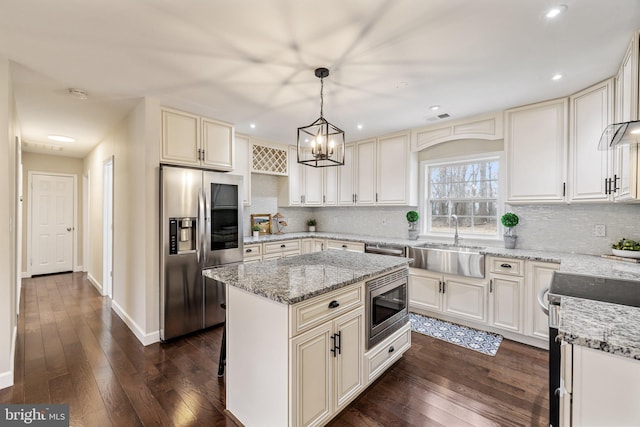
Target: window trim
x=425, y=212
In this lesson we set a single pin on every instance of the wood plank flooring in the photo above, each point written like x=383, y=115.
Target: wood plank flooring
x=73, y=349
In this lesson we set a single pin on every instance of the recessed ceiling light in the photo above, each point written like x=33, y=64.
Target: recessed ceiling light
x=61, y=138
x=555, y=11
x=434, y=108
x=252, y=125
x=557, y=76
x=359, y=126
x=78, y=93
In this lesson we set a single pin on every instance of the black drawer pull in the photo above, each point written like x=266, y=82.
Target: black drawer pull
x=344, y=246
x=283, y=246
x=249, y=250
x=505, y=265
x=391, y=349
x=334, y=304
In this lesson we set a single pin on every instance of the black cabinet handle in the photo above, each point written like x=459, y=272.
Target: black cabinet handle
x=344, y=246
x=391, y=349
x=444, y=284
x=439, y=286
x=490, y=285
x=334, y=304
x=333, y=346
x=283, y=246
x=505, y=265
x=249, y=250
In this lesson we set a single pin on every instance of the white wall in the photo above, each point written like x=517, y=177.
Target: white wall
x=8, y=240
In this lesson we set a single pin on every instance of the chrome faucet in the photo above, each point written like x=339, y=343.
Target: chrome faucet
x=456, y=238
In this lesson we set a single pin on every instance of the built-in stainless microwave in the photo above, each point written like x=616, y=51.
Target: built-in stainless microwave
x=387, y=306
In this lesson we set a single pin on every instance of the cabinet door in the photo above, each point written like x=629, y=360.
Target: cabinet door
x=312, y=245
x=217, y=145
x=294, y=187
x=539, y=276
x=330, y=187
x=425, y=290
x=180, y=137
x=626, y=156
x=366, y=173
x=312, y=184
x=348, y=362
x=605, y=389
x=346, y=177
x=311, y=390
x=505, y=302
x=465, y=297
x=392, y=177
x=243, y=166
x=591, y=112
x=536, y=144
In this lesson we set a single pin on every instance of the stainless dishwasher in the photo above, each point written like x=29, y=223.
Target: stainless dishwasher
x=384, y=249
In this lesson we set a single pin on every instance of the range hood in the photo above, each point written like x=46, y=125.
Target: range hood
x=619, y=134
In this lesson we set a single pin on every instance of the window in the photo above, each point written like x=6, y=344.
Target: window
x=468, y=189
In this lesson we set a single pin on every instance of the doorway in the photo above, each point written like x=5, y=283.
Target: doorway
x=52, y=222
x=107, y=228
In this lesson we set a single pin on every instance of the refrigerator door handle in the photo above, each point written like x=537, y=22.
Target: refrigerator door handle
x=201, y=229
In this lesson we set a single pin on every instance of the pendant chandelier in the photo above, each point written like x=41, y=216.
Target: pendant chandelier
x=321, y=144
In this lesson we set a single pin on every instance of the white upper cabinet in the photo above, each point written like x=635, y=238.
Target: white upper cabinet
x=395, y=171
x=217, y=145
x=626, y=176
x=313, y=183
x=330, y=187
x=536, y=146
x=591, y=111
x=366, y=173
x=243, y=165
x=191, y=140
x=486, y=126
x=347, y=177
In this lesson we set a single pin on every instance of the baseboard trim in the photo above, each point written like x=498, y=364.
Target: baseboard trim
x=78, y=269
x=145, y=339
x=6, y=378
x=95, y=283
x=26, y=275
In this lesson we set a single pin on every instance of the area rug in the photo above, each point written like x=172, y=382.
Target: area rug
x=484, y=342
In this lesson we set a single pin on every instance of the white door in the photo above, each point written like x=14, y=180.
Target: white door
x=52, y=224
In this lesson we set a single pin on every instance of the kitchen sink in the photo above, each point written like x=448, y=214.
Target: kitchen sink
x=450, y=259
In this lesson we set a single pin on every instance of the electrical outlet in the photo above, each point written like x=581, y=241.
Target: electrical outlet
x=384, y=221
x=599, y=230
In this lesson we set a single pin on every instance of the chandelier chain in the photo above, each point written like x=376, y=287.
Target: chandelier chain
x=321, y=96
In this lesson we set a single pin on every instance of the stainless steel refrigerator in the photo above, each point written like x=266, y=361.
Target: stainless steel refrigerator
x=200, y=227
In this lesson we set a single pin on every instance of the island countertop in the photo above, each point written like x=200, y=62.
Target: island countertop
x=294, y=279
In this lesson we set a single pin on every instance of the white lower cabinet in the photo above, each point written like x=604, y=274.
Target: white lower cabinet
x=281, y=249
x=458, y=296
x=312, y=245
x=383, y=355
x=505, y=302
x=601, y=389
x=252, y=253
x=327, y=368
x=539, y=276
x=345, y=245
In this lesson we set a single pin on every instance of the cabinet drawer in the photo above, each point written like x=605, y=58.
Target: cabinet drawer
x=347, y=246
x=282, y=246
x=387, y=352
x=252, y=250
x=314, y=311
x=514, y=267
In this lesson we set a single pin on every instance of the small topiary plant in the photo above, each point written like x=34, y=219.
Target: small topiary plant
x=311, y=222
x=412, y=216
x=509, y=220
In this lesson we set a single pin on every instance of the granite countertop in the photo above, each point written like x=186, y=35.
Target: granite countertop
x=612, y=328
x=294, y=279
x=570, y=263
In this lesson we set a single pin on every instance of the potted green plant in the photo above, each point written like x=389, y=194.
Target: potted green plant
x=311, y=223
x=412, y=218
x=256, y=230
x=509, y=220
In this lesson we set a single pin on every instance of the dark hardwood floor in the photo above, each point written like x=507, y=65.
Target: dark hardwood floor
x=73, y=349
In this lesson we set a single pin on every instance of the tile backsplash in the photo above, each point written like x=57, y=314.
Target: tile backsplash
x=561, y=228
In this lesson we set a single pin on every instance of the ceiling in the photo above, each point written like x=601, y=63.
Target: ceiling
x=252, y=61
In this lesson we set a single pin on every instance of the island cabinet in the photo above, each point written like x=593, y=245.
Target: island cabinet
x=294, y=365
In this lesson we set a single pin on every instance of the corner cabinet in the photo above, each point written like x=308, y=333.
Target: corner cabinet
x=536, y=149
x=191, y=140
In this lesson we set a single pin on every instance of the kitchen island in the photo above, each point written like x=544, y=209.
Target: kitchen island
x=296, y=336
